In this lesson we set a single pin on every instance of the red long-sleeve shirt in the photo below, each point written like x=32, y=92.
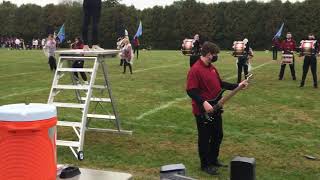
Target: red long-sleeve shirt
x=77, y=45
x=288, y=45
x=276, y=43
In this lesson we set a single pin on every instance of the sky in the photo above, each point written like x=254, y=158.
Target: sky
x=139, y=4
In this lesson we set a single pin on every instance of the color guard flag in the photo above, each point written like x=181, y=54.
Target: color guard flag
x=61, y=34
x=139, y=31
x=279, y=32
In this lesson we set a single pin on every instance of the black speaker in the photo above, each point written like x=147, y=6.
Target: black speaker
x=243, y=168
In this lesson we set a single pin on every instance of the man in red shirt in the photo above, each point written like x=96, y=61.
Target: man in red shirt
x=203, y=84
x=288, y=46
x=275, y=47
x=136, y=45
x=78, y=44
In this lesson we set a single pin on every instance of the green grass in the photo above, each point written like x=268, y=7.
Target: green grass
x=273, y=121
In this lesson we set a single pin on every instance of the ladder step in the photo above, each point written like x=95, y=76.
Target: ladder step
x=74, y=87
x=97, y=99
x=62, y=58
x=99, y=86
x=100, y=116
x=68, y=143
x=68, y=105
x=89, y=70
x=69, y=124
x=111, y=130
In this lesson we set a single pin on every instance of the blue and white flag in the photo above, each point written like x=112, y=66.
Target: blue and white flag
x=279, y=32
x=139, y=31
x=61, y=34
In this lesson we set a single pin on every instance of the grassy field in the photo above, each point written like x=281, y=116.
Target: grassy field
x=274, y=121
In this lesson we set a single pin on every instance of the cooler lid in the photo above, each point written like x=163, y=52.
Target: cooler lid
x=24, y=112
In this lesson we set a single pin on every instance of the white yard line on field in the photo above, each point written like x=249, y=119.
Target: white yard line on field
x=19, y=74
x=25, y=92
x=147, y=69
x=152, y=111
x=164, y=106
x=158, y=67
x=253, y=68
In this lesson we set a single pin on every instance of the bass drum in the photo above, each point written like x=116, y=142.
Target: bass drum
x=238, y=47
x=287, y=59
x=187, y=46
x=307, y=47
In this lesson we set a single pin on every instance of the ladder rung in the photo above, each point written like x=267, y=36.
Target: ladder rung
x=97, y=99
x=68, y=143
x=100, y=116
x=68, y=105
x=99, y=86
x=69, y=124
x=75, y=87
x=111, y=130
x=90, y=70
x=77, y=57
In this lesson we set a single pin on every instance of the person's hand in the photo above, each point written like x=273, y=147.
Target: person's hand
x=207, y=107
x=244, y=84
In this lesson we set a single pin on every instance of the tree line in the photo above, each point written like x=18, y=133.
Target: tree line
x=166, y=27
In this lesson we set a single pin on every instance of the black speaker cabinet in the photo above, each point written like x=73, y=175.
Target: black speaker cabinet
x=243, y=168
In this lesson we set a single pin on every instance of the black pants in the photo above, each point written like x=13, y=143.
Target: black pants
x=91, y=9
x=245, y=68
x=310, y=61
x=283, y=67
x=136, y=49
x=122, y=61
x=79, y=64
x=125, y=66
x=274, y=53
x=193, y=59
x=52, y=63
x=210, y=135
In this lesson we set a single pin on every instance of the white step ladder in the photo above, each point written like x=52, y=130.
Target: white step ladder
x=83, y=103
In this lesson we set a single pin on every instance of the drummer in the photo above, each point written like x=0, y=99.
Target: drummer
x=288, y=46
x=244, y=52
x=310, y=61
x=195, y=49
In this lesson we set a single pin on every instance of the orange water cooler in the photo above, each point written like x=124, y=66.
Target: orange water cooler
x=28, y=142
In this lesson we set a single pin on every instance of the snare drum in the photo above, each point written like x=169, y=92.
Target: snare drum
x=187, y=47
x=238, y=47
x=287, y=59
x=307, y=47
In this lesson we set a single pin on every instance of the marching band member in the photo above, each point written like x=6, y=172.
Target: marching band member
x=287, y=47
x=275, y=47
x=203, y=84
x=243, y=61
x=127, y=55
x=92, y=9
x=136, y=45
x=310, y=60
x=51, y=47
x=78, y=44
